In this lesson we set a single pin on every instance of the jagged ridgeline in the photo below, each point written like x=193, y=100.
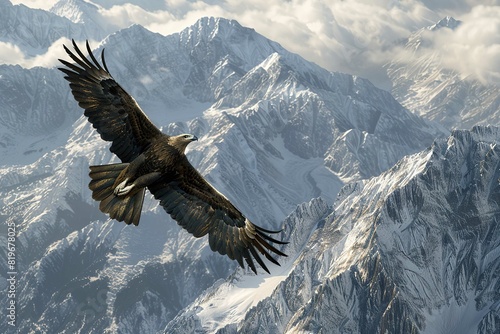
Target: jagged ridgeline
x=414, y=250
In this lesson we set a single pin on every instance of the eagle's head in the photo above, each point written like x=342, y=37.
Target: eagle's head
x=181, y=141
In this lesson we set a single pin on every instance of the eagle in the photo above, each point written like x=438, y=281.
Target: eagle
x=153, y=160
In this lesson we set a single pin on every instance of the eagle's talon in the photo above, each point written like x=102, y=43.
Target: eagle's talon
x=122, y=189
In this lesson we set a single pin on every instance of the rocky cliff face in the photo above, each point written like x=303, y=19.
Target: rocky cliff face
x=414, y=250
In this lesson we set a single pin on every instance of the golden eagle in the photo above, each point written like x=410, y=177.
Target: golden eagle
x=156, y=161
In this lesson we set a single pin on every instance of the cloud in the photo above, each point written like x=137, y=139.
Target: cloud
x=352, y=36
x=50, y=58
x=349, y=36
x=473, y=48
x=128, y=14
x=46, y=4
x=12, y=54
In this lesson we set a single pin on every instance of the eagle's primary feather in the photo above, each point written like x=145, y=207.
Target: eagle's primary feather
x=156, y=161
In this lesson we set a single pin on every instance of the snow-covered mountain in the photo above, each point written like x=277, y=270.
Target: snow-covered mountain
x=77, y=11
x=414, y=250
x=425, y=86
x=37, y=110
x=36, y=114
x=275, y=131
x=227, y=301
x=34, y=30
x=86, y=14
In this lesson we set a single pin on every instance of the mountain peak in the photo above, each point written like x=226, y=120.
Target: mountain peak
x=426, y=85
x=213, y=28
x=135, y=30
x=77, y=11
x=215, y=23
x=447, y=22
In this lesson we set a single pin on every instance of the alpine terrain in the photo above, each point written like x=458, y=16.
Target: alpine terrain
x=414, y=250
x=381, y=236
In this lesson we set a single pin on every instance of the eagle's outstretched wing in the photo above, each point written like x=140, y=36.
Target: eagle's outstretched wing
x=112, y=111
x=185, y=194
x=199, y=208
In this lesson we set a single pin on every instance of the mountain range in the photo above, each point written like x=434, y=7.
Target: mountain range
x=413, y=250
x=392, y=220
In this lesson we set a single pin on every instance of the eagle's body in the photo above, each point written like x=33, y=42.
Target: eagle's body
x=156, y=161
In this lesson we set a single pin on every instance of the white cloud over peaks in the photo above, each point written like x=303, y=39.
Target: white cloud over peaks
x=349, y=36
x=49, y=58
x=473, y=48
x=352, y=36
x=11, y=54
x=128, y=14
x=45, y=4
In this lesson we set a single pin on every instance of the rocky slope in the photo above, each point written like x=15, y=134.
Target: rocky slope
x=414, y=250
x=275, y=131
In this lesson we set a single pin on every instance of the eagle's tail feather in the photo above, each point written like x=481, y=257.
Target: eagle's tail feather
x=121, y=208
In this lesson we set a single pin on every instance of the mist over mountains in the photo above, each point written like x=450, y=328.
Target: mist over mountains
x=393, y=220
x=429, y=89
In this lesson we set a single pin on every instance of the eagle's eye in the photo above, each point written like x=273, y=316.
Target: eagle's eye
x=186, y=136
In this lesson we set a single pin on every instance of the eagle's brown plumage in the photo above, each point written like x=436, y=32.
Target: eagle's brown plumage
x=156, y=161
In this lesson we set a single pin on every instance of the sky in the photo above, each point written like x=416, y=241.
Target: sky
x=358, y=37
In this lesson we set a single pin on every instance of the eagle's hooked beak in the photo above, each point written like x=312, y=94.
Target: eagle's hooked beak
x=194, y=138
